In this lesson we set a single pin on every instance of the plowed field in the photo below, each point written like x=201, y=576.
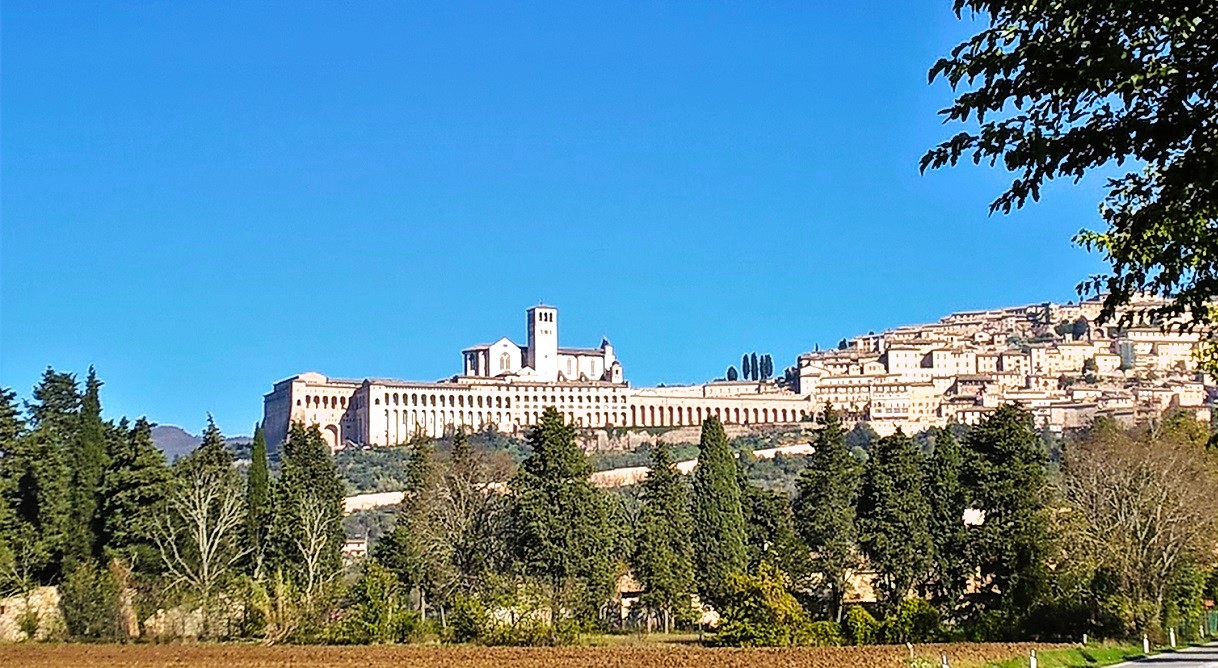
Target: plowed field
x=256, y=656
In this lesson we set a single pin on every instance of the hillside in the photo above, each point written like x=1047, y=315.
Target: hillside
x=175, y=441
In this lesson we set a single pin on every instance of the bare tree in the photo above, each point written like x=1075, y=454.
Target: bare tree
x=198, y=538
x=316, y=529
x=1146, y=503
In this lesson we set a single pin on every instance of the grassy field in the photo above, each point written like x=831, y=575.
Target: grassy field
x=1077, y=657
x=610, y=656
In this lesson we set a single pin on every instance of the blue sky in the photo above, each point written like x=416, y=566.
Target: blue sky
x=204, y=198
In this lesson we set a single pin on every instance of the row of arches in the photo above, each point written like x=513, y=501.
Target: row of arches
x=322, y=401
x=679, y=416
x=443, y=400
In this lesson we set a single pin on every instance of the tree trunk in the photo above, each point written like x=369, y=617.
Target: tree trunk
x=667, y=621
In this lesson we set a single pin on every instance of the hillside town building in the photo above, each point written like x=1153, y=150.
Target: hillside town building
x=1046, y=357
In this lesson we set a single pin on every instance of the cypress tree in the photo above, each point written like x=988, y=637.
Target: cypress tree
x=560, y=528
x=731, y=373
x=945, y=494
x=664, y=555
x=1006, y=479
x=258, y=500
x=894, y=518
x=718, y=519
x=755, y=365
x=825, y=512
x=134, y=488
x=745, y=366
x=308, y=474
x=87, y=459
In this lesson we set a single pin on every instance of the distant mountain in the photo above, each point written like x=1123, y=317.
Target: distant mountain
x=176, y=442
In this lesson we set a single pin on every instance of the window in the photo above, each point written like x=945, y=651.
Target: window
x=505, y=361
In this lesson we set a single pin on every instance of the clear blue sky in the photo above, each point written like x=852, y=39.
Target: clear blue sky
x=204, y=198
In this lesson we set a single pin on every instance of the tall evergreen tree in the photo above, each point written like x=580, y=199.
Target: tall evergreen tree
x=663, y=559
x=1006, y=478
x=755, y=365
x=308, y=499
x=12, y=428
x=212, y=455
x=258, y=501
x=407, y=550
x=893, y=518
x=718, y=518
x=40, y=478
x=559, y=520
x=824, y=509
x=769, y=528
x=87, y=460
x=946, y=496
x=134, y=487
x=55, y=409
x=746, y=366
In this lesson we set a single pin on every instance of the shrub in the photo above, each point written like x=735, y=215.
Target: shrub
x=821, y=634
x=758, y=611
x=914, y=620
x=468, y=620
x=89, y=601
x=376, y=612
x=531, y=632
x=859, y=627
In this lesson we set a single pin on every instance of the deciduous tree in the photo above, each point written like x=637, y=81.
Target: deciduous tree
x=1060, y=89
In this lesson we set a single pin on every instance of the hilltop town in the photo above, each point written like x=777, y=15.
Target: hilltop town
x=1052, y=359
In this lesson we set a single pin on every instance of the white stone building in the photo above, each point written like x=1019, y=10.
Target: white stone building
x=506, y=387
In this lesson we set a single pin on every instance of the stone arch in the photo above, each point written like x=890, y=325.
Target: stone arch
x=330, y=435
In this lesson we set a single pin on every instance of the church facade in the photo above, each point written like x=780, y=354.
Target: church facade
x=506, y=386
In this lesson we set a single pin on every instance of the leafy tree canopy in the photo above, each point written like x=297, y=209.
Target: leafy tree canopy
x=1061, y=88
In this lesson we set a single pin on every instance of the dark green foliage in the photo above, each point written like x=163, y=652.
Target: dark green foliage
x=824, y=509
x=754, y=366
x=947, y=498
x=769, y=527
x=89, y=601
x=38, y=494
x=258, y=500
x=405, y=551
x=893, y=518
x=1063, y=89
x=133, y=491
x=559, y=521
x=87, y=461
x=718, y=518
x=663, y=560
x=861, y=436
x=746, y=366
x=56, y=406
x=308, y=476
x=1007, y=479
x=914, y=620
x=212, y=455
x=731, y=374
